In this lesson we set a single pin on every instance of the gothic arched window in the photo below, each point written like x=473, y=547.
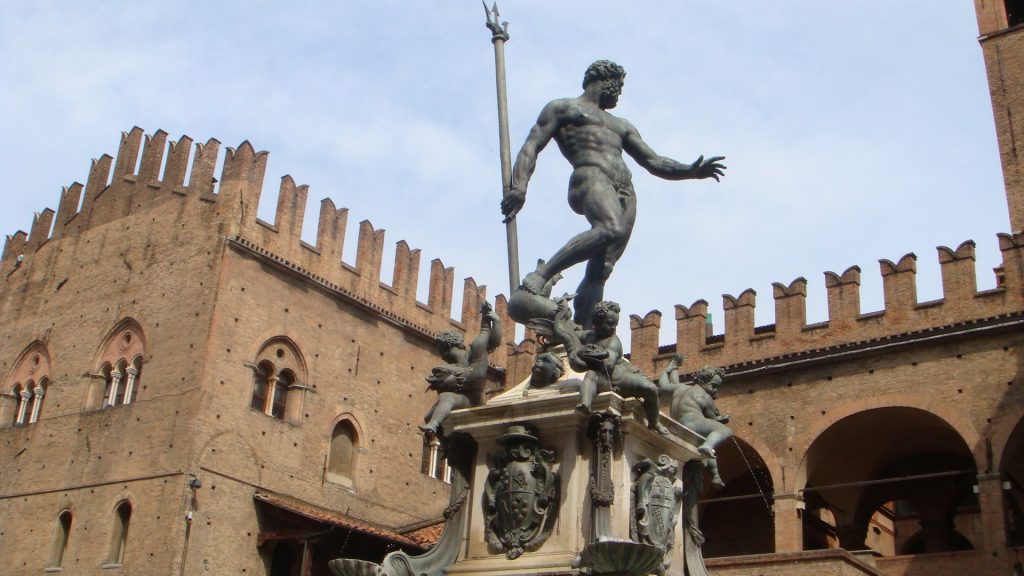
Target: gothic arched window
x=120, y=365
x=341, y=465
x=119, y=534
x=60, y=539
x=28, y=384
x=279, y=375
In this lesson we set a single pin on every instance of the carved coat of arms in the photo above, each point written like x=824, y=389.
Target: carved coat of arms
x=521, y=494
x=655, y=503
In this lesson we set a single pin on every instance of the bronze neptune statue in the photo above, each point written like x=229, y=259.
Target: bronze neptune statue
x=601, y=186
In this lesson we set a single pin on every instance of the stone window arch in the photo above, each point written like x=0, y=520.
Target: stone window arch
x=119, y=533
x=344, y=453
x=61, y=535
x=279, y=380
x=119, y=371
x=27, y=385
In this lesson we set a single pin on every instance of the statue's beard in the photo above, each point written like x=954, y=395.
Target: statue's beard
x=609, y=99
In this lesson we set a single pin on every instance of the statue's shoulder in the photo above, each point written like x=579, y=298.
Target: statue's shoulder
x=562, y=105
x=622, y=125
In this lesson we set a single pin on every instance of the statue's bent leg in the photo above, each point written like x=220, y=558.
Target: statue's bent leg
x=446, y=402
x=588, y=389
x=716, y=479
x=716, y=433
x=599, y=268
x=604, y=212
x=639, y=386
x=590, y=290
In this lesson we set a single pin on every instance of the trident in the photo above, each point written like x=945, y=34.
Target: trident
x=499, y=35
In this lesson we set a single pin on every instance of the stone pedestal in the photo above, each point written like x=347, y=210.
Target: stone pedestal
x=582, y=513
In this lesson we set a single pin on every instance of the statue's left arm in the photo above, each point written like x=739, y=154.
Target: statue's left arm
x=667, y=168
x=489, y=337
x=669, y=378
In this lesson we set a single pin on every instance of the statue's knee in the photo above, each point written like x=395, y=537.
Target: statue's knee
x=614, y=233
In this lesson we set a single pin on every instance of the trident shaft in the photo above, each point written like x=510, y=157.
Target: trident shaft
x=499, y=35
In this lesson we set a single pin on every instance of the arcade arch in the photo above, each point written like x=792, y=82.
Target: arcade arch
x=739, y=519
x=1011, y=470
x=897, y=479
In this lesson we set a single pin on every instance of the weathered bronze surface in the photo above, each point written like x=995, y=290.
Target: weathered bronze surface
x=460, y=381
x=601, y=186
x=693, y=406
x=598, y=353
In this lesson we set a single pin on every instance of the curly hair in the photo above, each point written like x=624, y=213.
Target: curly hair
x=559, y=365
x=450, y=339
x=603, y=70
x=706, y=374
x=602, y=309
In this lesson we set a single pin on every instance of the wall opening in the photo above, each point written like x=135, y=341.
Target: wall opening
x=344, y=449
x=119, y=533
x=60, y=539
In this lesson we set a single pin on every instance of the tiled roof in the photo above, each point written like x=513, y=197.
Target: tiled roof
x=428, y=535
x=314, y=512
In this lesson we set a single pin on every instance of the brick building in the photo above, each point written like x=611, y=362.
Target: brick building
x=188, y=389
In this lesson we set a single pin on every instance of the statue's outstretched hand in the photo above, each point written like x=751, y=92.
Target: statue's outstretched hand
x=710, y=168
x=512, y=202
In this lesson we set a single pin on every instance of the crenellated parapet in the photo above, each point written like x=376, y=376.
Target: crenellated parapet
x=132, y=185
x=742, y=341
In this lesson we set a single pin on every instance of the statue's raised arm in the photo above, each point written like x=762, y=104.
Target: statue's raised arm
x=601, y=186
x=667, y=168
x=668, y=381
x=459, y=382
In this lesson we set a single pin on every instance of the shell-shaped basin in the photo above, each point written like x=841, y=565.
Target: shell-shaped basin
x=621, y=557
x=352, y=567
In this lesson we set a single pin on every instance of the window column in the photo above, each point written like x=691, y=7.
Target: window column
x=268, y=403
x=37, y=402
x=25, y=396
x=115, y=384
x=129, y=387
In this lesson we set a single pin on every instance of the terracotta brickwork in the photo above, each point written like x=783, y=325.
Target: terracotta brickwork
x=183, y=280
x=1002, y=42
x=165, y=348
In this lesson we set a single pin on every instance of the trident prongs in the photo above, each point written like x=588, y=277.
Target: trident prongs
x=498, y=31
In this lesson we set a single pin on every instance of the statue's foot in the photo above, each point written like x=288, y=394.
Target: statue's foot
x=429, y=429
x=583, y=408
x=717, y=483
x=707, y=451
x=534, y=283
x=660, y=429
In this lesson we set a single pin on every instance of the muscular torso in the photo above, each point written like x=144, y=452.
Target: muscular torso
x=687, y=403
x=591, y=137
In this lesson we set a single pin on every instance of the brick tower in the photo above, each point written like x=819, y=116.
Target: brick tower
x=1001, y=29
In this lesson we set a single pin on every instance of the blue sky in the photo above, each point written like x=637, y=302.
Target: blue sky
x=853, y=131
